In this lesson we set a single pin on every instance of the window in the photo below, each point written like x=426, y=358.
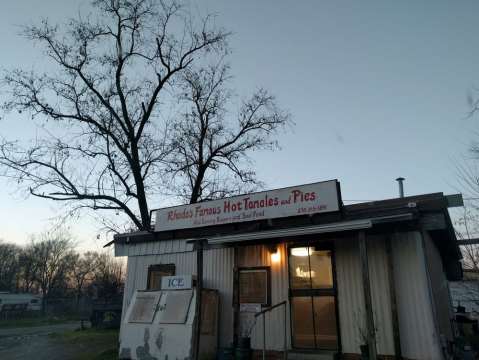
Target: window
x=254, y=286
x=156, y=272
x=310, y=268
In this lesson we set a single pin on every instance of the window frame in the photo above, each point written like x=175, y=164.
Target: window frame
x=318, y=292
x=331, y=291
x=167, y=268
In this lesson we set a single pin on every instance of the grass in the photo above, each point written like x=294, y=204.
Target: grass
x=86, y=335
x=111, y=354
x=35, y=321
x=96, y=344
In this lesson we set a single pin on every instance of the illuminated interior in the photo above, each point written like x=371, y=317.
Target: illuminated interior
x=313, y=308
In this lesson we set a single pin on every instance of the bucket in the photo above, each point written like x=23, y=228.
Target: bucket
x=242, y=354
x=225, y=354
x=243, y=350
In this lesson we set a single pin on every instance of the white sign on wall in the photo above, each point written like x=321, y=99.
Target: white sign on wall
x=291, y=201
x=176, y=282
x=250, y=308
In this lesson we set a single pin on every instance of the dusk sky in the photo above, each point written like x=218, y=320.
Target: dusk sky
x=377, y=90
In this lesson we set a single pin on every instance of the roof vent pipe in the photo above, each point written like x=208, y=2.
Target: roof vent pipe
x=400, y=181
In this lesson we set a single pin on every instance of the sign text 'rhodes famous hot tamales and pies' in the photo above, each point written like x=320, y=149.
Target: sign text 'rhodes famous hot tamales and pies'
x=291, y=201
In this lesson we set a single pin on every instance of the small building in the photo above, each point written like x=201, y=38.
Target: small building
x=373, y=273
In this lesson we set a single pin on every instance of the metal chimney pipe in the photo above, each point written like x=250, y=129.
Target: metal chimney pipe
x=400, y=181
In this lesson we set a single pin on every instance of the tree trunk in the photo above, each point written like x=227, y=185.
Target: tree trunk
x=140, y=188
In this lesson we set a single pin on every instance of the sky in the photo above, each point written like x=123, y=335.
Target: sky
x=376, y=89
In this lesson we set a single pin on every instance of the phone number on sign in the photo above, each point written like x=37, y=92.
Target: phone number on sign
x=310, y=209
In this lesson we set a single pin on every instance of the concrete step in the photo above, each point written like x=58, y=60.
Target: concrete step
x=321, y=355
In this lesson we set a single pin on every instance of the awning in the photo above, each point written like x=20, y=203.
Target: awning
x=309, y=230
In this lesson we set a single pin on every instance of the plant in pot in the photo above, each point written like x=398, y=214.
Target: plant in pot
x=243, y=347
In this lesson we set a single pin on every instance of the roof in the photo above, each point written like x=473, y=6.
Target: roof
x=428, y=212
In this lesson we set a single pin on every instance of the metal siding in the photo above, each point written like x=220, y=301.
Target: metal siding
x=153, y=248
x=440, y=290
x=218, y=274
x=381, y=298
x=418, y=334
x=350, y=294
x=259, y=255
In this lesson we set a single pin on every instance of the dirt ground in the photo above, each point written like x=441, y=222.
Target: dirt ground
x=54, y=342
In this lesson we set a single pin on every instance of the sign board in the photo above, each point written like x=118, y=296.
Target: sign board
x=291, y=201
x=179, y=282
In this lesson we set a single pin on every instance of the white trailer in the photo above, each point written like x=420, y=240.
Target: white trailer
x=31, y=302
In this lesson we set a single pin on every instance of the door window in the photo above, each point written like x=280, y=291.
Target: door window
x=313, y=301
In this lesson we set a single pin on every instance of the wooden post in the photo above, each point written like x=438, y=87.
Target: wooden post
x=199, y=288
x=363, y=254
x=392, y=292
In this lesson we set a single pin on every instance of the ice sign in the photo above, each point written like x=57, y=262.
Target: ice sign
x=176, y=282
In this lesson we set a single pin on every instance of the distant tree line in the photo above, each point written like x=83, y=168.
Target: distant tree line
x=50, y=266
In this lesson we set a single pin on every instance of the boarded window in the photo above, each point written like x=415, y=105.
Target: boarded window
x=156, y=272
x=254, y=286
x=209, y=312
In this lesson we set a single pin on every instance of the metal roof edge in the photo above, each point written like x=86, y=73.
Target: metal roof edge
x=309, y=230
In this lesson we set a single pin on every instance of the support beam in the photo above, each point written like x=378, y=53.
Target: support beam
x=392, y=294
x=371, y=330
x=198, y=246
x=236, y=308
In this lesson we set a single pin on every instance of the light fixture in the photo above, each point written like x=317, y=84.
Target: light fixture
x=275, y=257
x=301, y=251
x=275, y=254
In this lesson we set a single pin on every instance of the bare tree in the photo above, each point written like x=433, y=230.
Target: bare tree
x=9, y=265
x=28, y=269
x=211, y=144
x=52, y=260
x=108, y=275
x=467, y=228
x=82, y=271
x=105, y=98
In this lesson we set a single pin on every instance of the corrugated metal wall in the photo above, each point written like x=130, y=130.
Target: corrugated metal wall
x=418, y=334
x=351, y=297
x=350, y=294
x=260, y=256
x=418, y=337
x=444, y=311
